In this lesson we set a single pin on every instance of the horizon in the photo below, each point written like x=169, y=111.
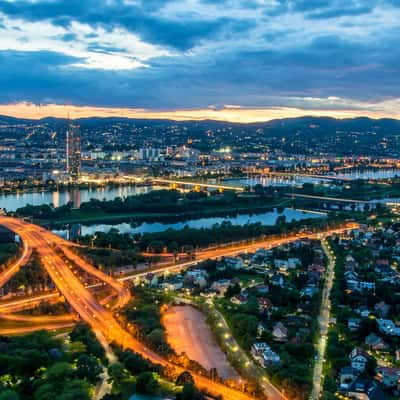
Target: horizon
x=226, y=114
x=232, y=60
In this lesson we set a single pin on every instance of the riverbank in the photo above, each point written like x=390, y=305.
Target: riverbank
x=87, y=218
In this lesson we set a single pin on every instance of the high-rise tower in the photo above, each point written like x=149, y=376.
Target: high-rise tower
x=74, y=153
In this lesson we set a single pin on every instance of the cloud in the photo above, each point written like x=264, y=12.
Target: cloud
x=178, y=33
x=180, y=54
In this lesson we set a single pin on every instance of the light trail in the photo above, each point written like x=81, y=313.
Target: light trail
x=103, y=323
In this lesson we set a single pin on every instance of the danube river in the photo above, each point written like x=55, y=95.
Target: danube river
x=266, y=218
x=11, y=202
x=300, y=180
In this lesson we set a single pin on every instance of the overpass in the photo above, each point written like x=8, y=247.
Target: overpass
x=197, y=185
x=102, y=321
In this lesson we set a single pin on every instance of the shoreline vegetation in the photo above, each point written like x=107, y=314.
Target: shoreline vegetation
x=156, y=205
x=171, y=204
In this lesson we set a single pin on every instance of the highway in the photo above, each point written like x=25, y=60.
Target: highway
x=124, y=294
x=26, y=328
x=37, y=319
x=232, y=250
x=212, y=253
x=103, y=323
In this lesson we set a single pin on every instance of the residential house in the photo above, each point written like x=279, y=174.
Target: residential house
x=353, y=324
x=309, y=290
x=280, y=332
x=278, y=280
x=363, y=311
x=234, y=262
x=364, y=389
x=358, y=359
x=263, y=354
x=375, y=342
x=382, y=309
x=239, y=299
x=389, y=377
x=258, y=348
x=171, y=286
x=221, y=286
x=293, y=262
x=360, y=286
x=347, y=376
x=388, y=327
x=270, y=357
x=351, y=275
x=151, y=279
x=264, y=304
x=261, y=288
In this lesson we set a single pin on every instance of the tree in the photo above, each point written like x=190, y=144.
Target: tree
x=156, y=337
x=156, y=246
x=371, y=366
x=183, y=378
x=189, y=392
x=60, y=372
x=147, y=382
x=88, y=367
x=135, y=363
x=117, y=371
x=9, y=394
x=45, y=392
x=232, y=290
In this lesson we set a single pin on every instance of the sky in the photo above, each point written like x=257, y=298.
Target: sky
x=237, y=60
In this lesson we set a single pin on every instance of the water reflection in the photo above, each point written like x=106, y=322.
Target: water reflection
x=60, y=198
x=267, y=218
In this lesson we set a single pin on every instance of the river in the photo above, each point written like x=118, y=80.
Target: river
x=300, y=180
x=11, y=202
x=266, y=218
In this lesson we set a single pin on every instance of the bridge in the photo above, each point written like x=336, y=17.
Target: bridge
x=302, y=175
x=174, y=183
x=325, y=198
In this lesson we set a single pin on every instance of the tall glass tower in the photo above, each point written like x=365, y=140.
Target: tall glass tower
x=74, y=153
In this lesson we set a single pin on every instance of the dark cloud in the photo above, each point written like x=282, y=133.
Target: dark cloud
x=317, y=65
x=328, y=66
x=182, y=34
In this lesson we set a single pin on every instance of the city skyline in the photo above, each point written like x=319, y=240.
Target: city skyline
x=241, y=61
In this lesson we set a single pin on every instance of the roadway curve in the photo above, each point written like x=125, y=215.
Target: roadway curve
x=124, y=294
x=8, y=273
x=103, y=323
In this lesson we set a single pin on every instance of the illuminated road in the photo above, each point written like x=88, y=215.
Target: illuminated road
x=323, y=319
x=6, y=275
x=37, y=319
x=82, y=301
x=22, y=330
x=124, y=294
x=103, y=323
x=232, y=250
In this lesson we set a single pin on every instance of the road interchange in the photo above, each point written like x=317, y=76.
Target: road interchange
x=54, y=251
